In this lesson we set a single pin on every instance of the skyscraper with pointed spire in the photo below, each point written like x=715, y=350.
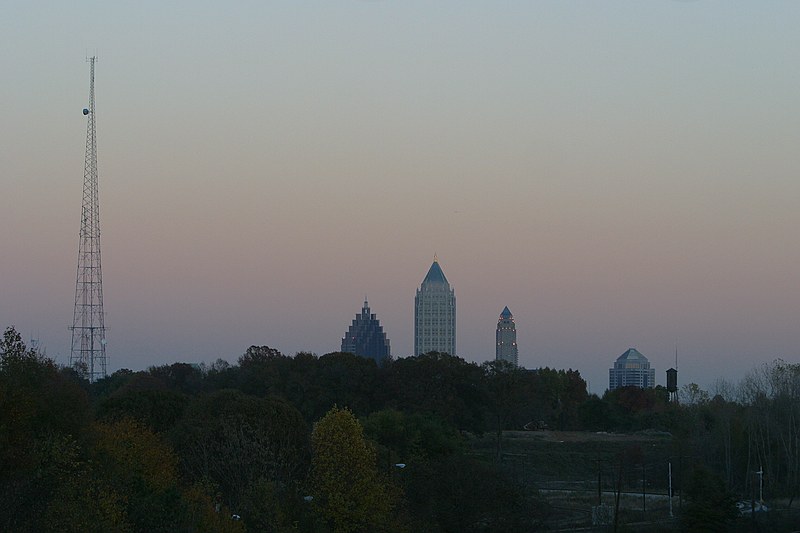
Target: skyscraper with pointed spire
x=366, y=337
x=435, y=314
x=506, y=337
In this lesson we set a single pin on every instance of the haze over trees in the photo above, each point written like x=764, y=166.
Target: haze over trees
x=313, y=443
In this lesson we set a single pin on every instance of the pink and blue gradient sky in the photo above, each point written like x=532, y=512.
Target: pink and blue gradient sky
x=620, y=174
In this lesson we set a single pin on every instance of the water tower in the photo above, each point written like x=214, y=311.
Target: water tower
x=672, y=384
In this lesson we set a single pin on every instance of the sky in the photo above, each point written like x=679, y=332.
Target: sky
x=618, y=173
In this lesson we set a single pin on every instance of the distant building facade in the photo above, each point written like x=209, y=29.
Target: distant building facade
x=435, y=314
x=366, y=337
x=506, y=338
x=631, y=368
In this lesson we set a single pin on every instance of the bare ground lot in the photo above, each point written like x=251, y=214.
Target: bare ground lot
x=576, y=470
x=585, y=436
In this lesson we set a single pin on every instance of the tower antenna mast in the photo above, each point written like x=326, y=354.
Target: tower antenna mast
x=88, y=353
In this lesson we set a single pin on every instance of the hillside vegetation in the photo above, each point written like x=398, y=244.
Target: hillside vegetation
x=338, y=443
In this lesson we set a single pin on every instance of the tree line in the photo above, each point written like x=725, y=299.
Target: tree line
x=337, y=442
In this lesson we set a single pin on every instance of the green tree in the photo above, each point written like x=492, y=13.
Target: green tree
x=44, y=416
x=507, y=395
x=409, y=438
x=143, y=471
x=634, y=408
x=237, y=443
x=556, y=396
x=348, y=492
x=260, y=370
x=146, y=399
x=692, y=394
x=83, y=503
x=710, y=507
x=437, y=383
x=181, y=377
x=595, y=414
x=345, y=379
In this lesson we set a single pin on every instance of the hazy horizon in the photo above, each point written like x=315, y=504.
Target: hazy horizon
x=618, y=174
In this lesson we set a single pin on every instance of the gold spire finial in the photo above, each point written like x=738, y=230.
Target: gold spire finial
x=435, y=258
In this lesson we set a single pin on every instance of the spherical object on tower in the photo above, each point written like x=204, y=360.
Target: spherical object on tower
x=85, y=111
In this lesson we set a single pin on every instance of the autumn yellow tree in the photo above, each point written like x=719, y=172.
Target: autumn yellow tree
x=348, y=492
x=143, y=470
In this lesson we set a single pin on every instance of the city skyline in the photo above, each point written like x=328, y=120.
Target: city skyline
x=617, y=174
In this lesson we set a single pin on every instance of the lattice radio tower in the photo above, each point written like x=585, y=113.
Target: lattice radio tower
x=88, y=354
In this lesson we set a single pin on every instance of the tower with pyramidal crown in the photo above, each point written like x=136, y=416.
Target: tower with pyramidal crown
x=435, y=314
x=506, y=338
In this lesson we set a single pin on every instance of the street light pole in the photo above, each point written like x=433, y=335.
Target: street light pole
x=760, y=474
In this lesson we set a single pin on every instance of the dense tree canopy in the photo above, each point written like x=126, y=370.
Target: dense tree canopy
x=233, y=440
x=230, y=447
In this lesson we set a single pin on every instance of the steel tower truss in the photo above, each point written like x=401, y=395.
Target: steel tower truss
x=88, y=354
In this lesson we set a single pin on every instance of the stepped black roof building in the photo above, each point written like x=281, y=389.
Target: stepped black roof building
x=366, y=337
x=435, y=314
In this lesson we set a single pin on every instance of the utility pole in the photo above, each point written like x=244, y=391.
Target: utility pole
x=760, y=475
x=599, y=484
x=88, y=351
x=644, y=491
x=680, y=479
x=670, y=490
